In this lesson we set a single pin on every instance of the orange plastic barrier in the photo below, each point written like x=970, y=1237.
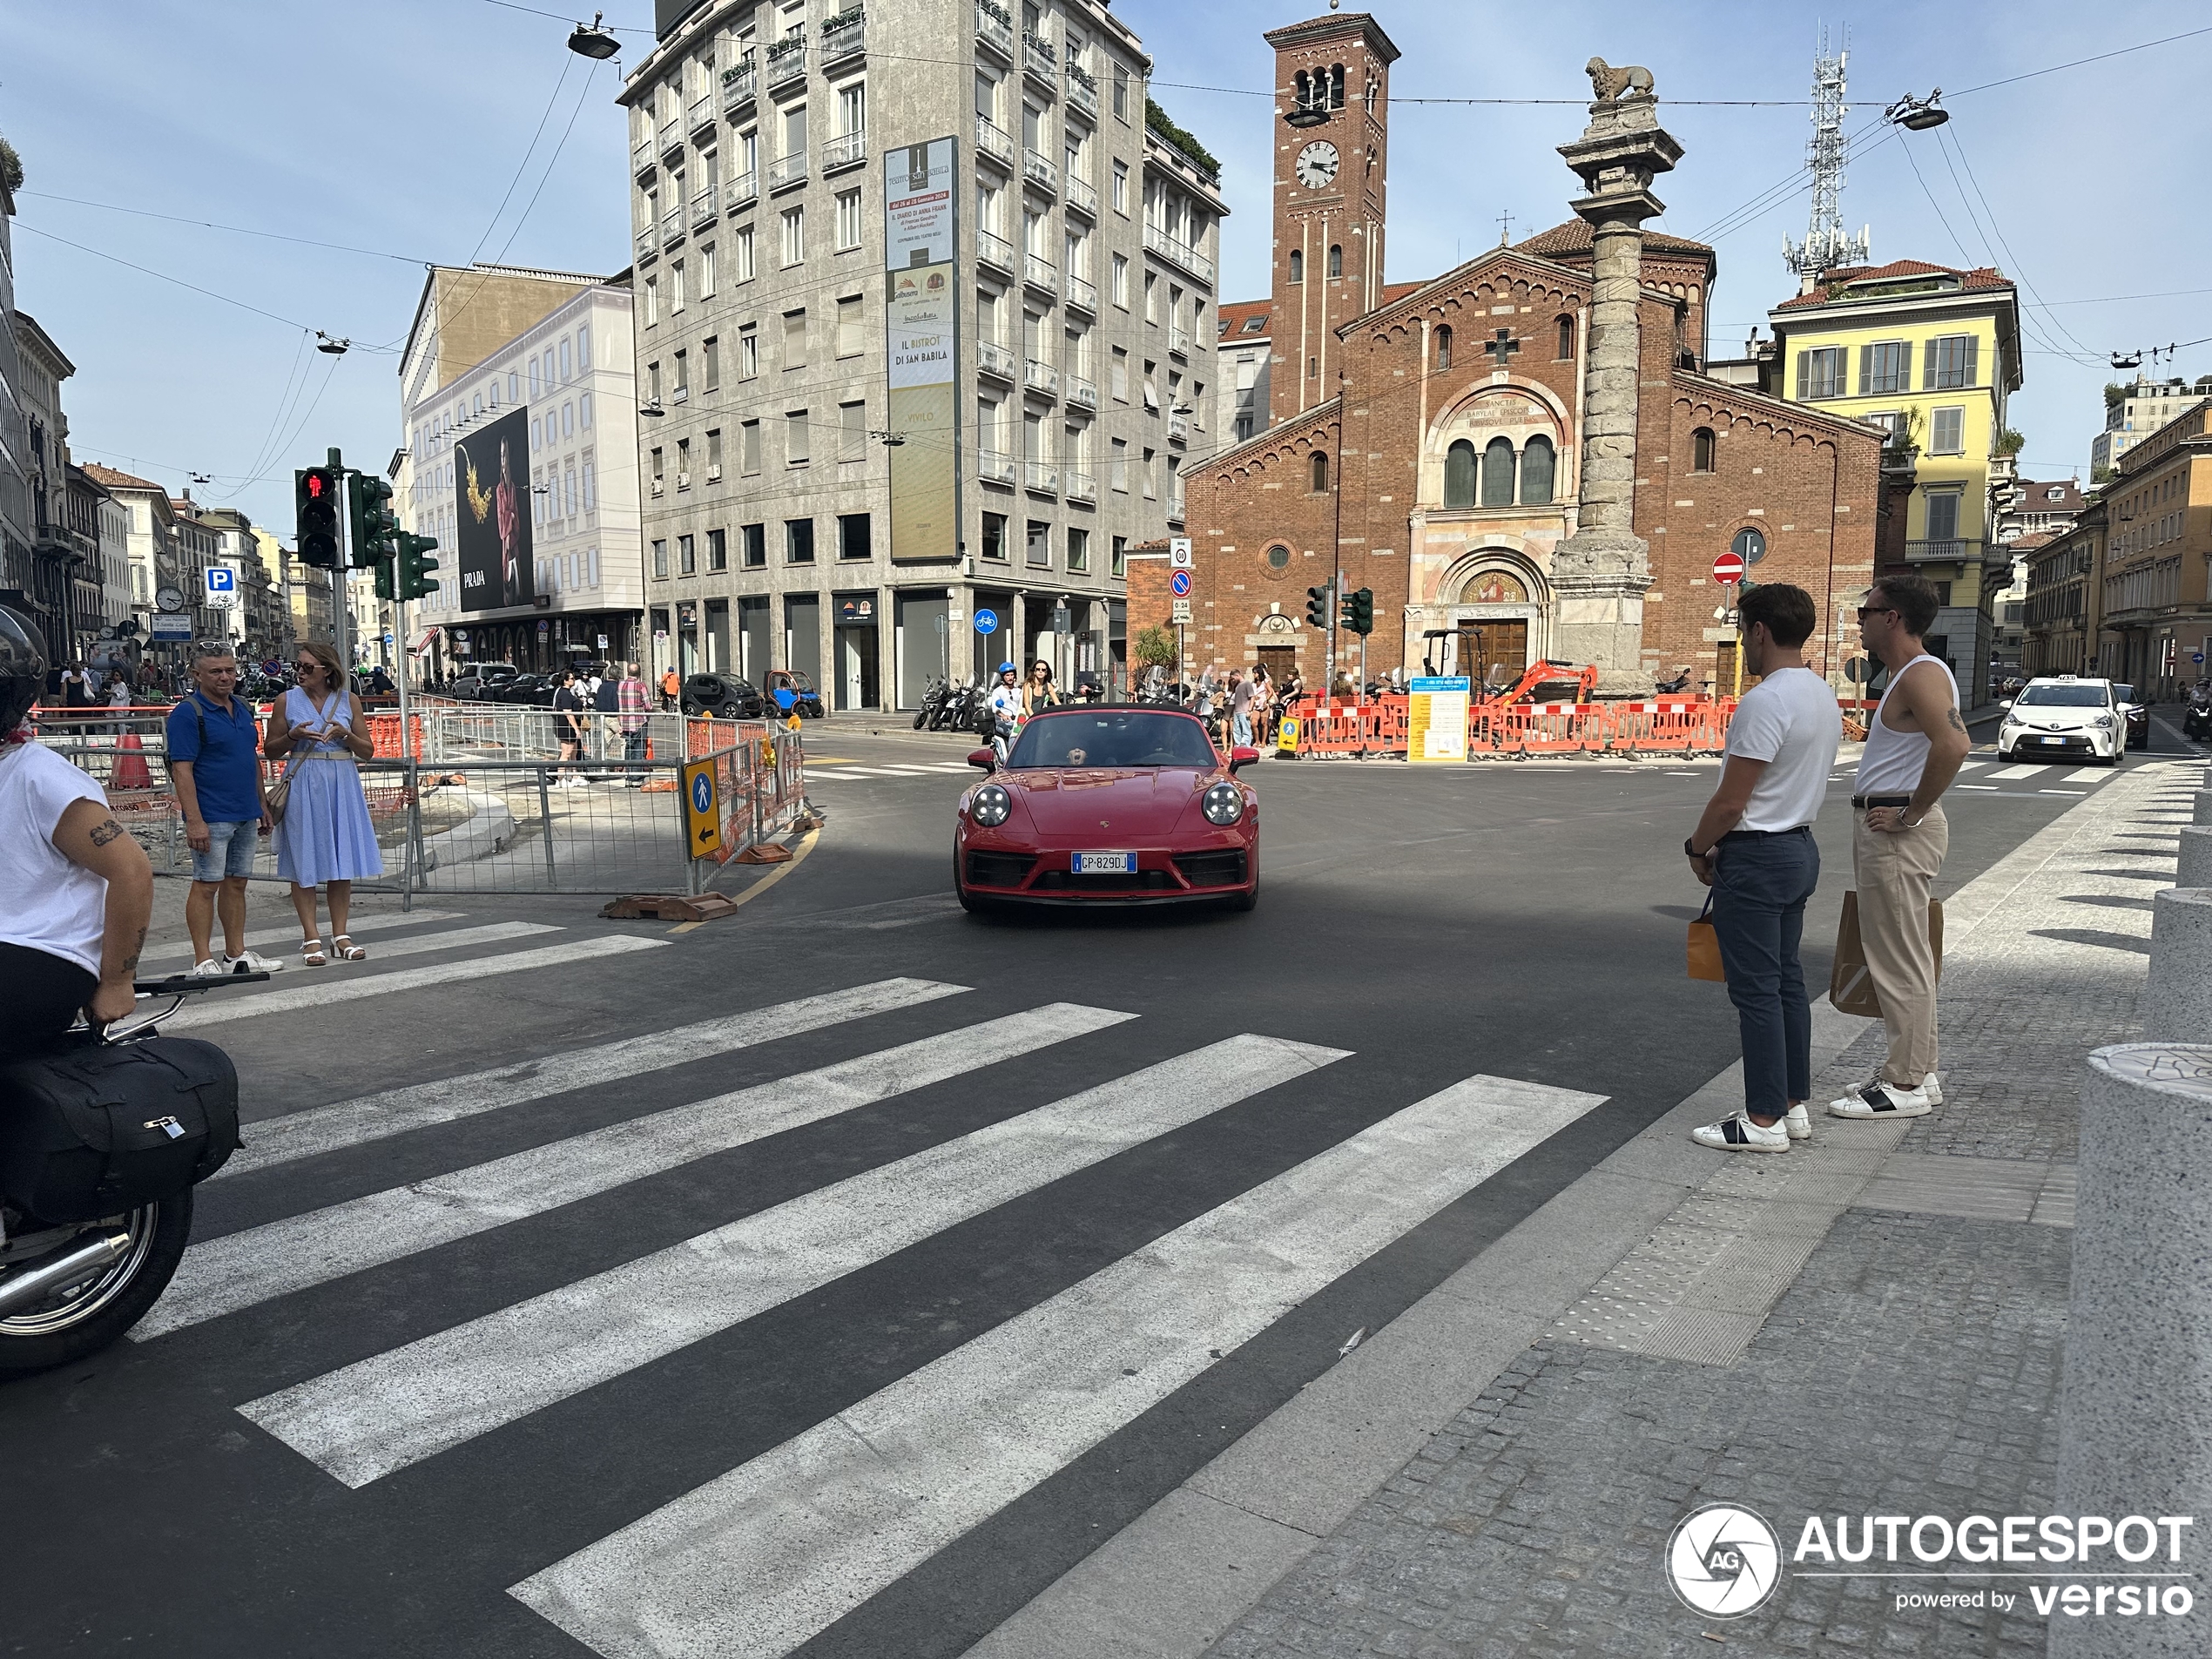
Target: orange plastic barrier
x=1657, y=725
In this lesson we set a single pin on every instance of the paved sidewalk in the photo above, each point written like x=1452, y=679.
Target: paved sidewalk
x=1872, y=1324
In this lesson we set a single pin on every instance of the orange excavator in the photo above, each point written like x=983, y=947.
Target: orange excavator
x=1541, y=676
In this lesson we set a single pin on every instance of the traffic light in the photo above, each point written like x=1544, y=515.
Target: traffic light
x=384, y=579
x=1359, y=611
x=1317, y=607
x=314, y=500
x=415, y=581
x=369, y=501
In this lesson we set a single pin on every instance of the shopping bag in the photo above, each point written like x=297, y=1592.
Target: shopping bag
x=1705, y=946
x=1850, y=987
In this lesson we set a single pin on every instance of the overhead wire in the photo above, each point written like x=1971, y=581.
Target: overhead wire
x=530, y=149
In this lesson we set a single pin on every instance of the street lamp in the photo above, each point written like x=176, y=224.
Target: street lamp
x=330, y=347
x=594, y=41
x=652, y=409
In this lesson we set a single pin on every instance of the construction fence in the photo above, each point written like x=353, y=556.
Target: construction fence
x=483, y=801
x=1377, y=726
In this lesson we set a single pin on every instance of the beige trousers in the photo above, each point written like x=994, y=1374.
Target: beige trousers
x=1893, y=871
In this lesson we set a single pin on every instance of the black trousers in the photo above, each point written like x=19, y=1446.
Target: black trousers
x=41, y=993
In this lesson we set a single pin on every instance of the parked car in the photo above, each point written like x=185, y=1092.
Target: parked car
x=2138, y=716
x=482, y=683
x=2061, y=716
x=526, y=690
x=723, y=696
x=806, y=700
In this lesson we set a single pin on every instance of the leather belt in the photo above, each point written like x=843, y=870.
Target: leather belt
x=1860, y=803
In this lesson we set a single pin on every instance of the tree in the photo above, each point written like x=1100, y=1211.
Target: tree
x=1160, y=122
x=2010, y=442
x=1154, y=647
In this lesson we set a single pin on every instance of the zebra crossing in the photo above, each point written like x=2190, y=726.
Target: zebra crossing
x=831, y=772
x=759, y=1556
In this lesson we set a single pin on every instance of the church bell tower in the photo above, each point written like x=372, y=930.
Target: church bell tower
x=1332, y=146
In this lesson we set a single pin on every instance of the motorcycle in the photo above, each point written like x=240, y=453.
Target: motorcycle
x=934, y=699
x=106, y=1137
x=2196, y=717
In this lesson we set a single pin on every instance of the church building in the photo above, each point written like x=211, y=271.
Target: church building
x=1521, y=458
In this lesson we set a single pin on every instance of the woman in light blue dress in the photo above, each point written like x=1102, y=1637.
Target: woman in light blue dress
x=320, y=731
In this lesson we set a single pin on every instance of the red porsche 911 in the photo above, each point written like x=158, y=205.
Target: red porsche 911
x=1108, y=806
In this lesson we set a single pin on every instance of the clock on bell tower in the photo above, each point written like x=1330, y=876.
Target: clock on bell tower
x=1331, y=138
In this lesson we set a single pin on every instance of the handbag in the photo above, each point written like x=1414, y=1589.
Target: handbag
x=1705, y=946
x=1850, y=987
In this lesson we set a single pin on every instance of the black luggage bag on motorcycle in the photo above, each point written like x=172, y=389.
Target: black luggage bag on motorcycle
x=96, y=1129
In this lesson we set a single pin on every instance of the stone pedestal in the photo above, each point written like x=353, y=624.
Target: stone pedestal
x=1598, y=580
x=2201, y=811
x=2193, y=865
x=2177, y=997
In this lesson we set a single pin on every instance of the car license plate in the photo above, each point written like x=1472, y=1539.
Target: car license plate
x=2054, y=740
x=1105, y=863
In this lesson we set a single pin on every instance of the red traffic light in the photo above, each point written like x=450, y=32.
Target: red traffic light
x=314, y=486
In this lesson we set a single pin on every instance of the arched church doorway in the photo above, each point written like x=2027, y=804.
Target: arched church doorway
x=1492, y=627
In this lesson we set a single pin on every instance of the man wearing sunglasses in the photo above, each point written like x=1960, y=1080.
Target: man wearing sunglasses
x=1914, y=744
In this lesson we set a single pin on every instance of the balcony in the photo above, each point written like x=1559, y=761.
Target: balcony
x=680, y=394
x=683, y=480
x=1041, y=273
x=995, y=28
x=994, y=249
x=843, y=35
x=740, y=85
x=1037, y=169
x=1081, y=486
x=1080, y=194
x=671, y=228
x=1082, y=294
x=1041, y=377
x=648, y=242
x=994, y=359
x=1082, y=393
x=994, y=142
x=660, y=486
x=1158, y=241
x=786, y=64
x=672, y=136
x=1082, y=91
x=786, y=171
x=1175, y=507
x=1179, y=427
x=1040, y=476
x=1179, y=341
x=845, y=150
x=742, y=190
x=702, y=113
x=993, y=468
x=1039, y=61
x=641, y=155
x=703, y=207
x=1957, y=550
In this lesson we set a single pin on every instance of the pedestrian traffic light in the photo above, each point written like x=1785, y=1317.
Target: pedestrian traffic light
x=369, y=501
x=1359, y=611
x=315, y=499
x=415, y=581
x=1317, y=607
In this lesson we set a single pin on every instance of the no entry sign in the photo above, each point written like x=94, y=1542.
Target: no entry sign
x=1729, y=567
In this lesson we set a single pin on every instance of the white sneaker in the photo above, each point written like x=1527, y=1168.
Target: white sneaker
x=1798, y=1125
x=1738, y=1133
x=252, y=962
x=208, y=969
x=1932, y=1090
x=1879, y=1099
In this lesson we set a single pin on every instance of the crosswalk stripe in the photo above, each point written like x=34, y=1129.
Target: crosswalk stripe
x=343, y=988
x=350, y=1122
x=491, y=932
x=2017, y=771
x=366, y=1420
x=768, y=1555
x=290, y=935
x=243, y=1268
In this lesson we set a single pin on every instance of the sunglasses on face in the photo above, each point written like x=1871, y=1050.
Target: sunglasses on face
x=1866, y=612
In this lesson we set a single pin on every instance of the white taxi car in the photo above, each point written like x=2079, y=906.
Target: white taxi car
x=2064, y=717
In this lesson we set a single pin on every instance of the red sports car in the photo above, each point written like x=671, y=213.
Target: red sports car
x=1108, y=806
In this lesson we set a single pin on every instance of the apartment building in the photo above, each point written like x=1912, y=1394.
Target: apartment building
x=2155, y=622
x=2136, y=410
x=925, y=330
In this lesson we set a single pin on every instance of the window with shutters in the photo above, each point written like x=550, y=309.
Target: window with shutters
x=1497, y=473
x=1460, y=475
x=1947, y=431
x=851, y=431
x=849, y=332
x=797, y=451
x=1537, y=464
x=1884, y=367
x=1820, y=374
x=749, y=448
x=1943, y=514
x=1948, y=363
x=794, y=339
x=714, y=455
x=710, y=366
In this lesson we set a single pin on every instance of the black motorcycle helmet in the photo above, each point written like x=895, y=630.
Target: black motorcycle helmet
x=23, y=668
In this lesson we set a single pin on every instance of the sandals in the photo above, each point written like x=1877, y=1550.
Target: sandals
x=343, y=948
x=311, y=952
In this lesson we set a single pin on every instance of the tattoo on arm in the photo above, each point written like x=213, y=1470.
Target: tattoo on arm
x=105, y=831
x=1957, y=724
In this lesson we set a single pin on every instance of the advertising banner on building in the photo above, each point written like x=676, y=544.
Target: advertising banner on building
x=921, y=314
x=491, y=487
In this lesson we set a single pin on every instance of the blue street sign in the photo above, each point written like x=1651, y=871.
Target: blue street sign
x=1180, y=582
x=702, y=793
x=221, y=579
x=987, y=622
x=2197, y=657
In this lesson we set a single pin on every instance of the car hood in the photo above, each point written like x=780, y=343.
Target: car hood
x=2057, y=719
x=1116, y=803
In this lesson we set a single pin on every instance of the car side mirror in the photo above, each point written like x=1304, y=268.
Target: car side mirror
x=986, y=759
x=1240, y=758
x=2005, y=703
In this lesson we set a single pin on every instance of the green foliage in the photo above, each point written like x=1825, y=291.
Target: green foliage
x=2103, y=475
x=1159, y=121
x=2114, y=395
x=1154, y=647
x=10, y=168
x=2010, y=442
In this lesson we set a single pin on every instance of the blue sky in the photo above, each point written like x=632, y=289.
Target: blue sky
x=397, y=126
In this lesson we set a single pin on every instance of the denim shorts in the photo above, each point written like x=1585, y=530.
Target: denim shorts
x=230, y=851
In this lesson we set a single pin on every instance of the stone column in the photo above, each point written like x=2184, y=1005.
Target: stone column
x=1600, y=573
x=2176, y=1002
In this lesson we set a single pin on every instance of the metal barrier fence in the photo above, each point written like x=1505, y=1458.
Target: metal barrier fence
x=1657, y=725
x=485, y=807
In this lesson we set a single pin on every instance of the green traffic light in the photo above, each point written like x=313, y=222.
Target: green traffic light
x=414, y=565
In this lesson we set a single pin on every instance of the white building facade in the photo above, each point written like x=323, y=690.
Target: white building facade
x=2144, y=405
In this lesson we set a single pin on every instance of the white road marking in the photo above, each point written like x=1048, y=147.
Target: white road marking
x=768, y=1555
x=243, y=1268
x=1990, y=787
x=491, y=932
x=324, y=990
x=365, y=1421
x=2062, y=792
x=349, y=1122
x=288, y=937
x=2017, y=771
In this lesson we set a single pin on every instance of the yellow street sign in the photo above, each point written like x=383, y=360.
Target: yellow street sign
x=1286, y=736
x=701, y=809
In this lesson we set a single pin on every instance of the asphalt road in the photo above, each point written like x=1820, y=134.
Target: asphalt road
x=558, y=1429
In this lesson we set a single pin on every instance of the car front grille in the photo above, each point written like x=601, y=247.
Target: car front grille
x=1141, y=881
x=1224, y=869
x=998, y=869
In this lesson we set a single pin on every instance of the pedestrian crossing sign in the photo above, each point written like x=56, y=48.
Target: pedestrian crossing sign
x=701, y=809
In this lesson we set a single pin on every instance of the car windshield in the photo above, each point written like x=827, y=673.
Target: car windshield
x=2063, y=696
x=1113, y=738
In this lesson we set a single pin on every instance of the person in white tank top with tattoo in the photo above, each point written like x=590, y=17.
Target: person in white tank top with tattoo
x=1914, y=744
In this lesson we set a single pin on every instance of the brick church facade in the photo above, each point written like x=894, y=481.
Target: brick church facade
x=1428, y=444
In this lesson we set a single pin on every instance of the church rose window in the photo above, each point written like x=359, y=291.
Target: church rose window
x=1444, y=346
x=1536, y=463
x=1458, y=474
x=1497, y=473
x=1278, y=557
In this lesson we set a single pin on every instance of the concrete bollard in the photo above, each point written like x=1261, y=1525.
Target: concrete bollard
x=2136, y=1411
x=2202, y=809
x=2193, y=865
x=2177, y=998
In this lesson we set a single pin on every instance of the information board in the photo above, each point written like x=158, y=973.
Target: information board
x=1436, y=717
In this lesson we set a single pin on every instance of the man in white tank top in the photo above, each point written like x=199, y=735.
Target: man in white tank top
x=1914, y=743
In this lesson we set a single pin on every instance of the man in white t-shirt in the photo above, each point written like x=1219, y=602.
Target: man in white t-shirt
x=1753, y=847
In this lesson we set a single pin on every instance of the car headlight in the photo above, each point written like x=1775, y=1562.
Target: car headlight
x=1224, y=803
x=989, y=806
x=2103, y=723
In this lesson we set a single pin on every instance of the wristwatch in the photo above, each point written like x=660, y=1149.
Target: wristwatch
x=1690, y=849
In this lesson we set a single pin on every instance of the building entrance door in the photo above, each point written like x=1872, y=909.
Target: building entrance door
x=1494, y=651
x=1280, y=661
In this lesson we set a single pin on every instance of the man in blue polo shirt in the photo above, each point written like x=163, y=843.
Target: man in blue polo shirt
x=215, y=766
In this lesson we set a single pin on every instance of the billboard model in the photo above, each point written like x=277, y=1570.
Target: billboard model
x=919, y=316
x=491, y=514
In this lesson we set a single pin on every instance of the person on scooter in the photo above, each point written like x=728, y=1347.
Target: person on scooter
x=1004, y=705
x=76, y=891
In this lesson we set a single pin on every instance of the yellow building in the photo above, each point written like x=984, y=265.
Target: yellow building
x=1930, y=353
x=2154, y=621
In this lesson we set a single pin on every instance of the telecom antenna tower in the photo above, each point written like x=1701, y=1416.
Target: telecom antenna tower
x=1826, y=246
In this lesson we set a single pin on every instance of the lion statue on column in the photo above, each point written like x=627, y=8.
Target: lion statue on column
x=1610, y=82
